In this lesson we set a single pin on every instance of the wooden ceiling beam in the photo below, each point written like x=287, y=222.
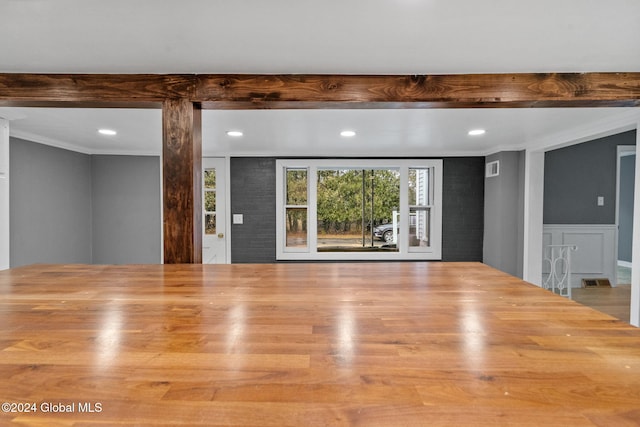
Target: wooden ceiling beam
x=240, y=91
x=433, y=91
x=93, y=89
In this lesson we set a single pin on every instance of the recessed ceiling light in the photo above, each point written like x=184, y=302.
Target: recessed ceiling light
x=234, y=133
x=476, y=132
x=109, y=132
x=348, y=133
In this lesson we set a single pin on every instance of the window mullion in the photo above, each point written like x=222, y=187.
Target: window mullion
x=312, y=211
x=403, y=238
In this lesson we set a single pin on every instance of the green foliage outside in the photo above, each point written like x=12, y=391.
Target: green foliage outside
x=210, y=178
x=340, y=197
x=297, y=196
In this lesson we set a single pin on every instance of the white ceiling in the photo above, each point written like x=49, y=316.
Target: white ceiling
x=329, y=36
x=380, y=133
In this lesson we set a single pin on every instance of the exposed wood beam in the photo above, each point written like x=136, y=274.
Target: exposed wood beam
x=59, y=89
x=182, y=186
x=330, y=91
x=435, y=91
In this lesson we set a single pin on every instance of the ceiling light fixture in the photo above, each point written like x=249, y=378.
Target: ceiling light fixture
x=476, y=132
x=234, y=133
x=347, y=133
x=109, y=132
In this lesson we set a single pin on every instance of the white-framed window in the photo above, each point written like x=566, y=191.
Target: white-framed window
x=338, y=209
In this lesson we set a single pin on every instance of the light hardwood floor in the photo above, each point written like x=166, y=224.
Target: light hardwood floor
x=371, y=344
x=615, y=301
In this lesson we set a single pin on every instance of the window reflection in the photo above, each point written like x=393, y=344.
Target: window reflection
x=346, y=334
x=109, y=336
x=474, y=336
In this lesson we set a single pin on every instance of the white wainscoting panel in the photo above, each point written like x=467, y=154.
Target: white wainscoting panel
x=595, y=257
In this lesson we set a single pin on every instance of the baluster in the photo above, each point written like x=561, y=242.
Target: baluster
x=559, y=279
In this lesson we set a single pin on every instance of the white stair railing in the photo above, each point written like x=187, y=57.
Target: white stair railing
x=559, y=279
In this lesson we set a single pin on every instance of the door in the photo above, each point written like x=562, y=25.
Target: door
x=214, y=246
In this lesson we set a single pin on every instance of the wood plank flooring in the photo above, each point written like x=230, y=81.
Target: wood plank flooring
x=614, y=301
x=369, y=344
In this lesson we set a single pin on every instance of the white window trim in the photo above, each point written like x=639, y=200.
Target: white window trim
x=434, y=252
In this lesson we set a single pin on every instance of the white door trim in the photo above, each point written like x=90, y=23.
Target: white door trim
x=533, y=216
x=635, y=261
x=227, y=182
x=4, y=195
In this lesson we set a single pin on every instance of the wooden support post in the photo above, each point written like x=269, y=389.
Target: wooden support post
x=182, y=184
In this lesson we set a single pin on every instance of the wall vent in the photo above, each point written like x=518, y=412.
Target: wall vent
x=492, y=169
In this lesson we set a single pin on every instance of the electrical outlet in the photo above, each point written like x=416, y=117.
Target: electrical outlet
x=600, y=201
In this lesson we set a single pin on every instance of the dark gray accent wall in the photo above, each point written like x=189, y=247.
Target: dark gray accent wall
x=50, y=204
x=253, y=194
x=462, y=208
x=575, y=176
x=126, y=204
x=504, y=213
x=625, y=220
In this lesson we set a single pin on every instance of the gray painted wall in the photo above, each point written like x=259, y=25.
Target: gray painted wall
x=575, y=176
x=50, y=204
x=253, y=193
x=126, y=204
x=504, y=214
x=627, y=184
x=68, y=207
